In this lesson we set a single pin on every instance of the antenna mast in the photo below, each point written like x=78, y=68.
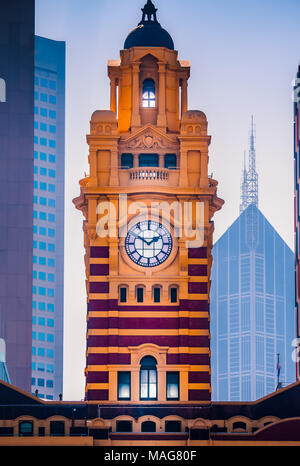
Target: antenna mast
x=249, y=185
x=244, y=187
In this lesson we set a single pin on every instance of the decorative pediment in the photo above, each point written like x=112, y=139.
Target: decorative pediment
x=150, y=138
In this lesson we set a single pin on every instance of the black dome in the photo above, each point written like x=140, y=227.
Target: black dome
x=149, y=33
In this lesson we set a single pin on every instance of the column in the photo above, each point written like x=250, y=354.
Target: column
x=113, y=239
x=161, y=119
x=92, y=216
x=135, y=383
x=135, y=160
x=114, y=168
x=161, y=385
x=93, y=167
x=135, y=117
x=161, y=160
x=92, y=209
x=184, y=103
x=113, y=95
x=113, y=384
x=204, y=182
x=183, y=168
x=183, y=385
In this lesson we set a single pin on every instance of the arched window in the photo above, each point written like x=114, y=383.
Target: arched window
x=239, y=425
x=140, y=292
x=148, y=426
x=124, y=426
x=123, y=293
x=173, y=293
x=148, y=93
x=25, y=429
x=156, y=292
x=173, y=426
x=57, y=428
x=148, y=379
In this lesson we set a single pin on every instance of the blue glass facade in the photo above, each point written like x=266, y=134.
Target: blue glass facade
x=252, y=310
x=297, y=215
x=4, y=375
x=48, y=218
x=16, y=185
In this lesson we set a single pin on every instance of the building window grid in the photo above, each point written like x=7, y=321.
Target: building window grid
x=234, y=355
x=267, y=324
x=46, y=172
x=245, y=273
x=234, y=315
x=270, y=355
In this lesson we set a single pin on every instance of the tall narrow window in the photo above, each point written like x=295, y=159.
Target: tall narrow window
x=123, y=295
x=124, y=386
x=140, y=295
x=172, y=385
x=148, y=379
x=174, y=294
x=156, y=294
x=148, y=93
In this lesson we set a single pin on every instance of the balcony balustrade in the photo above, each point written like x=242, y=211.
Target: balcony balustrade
x=153, y=176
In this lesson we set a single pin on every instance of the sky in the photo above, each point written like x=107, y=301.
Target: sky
x=244, y=56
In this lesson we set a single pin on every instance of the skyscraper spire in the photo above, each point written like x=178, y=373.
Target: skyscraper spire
x=249, y=185
x=252, y=176
x=244, y=187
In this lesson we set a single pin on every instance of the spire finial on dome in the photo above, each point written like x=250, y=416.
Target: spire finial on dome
x=149, y=32
x=149, y=10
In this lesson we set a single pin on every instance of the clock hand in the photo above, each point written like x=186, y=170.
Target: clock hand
x=137, y=236
x=154, y=240
x=140, y=237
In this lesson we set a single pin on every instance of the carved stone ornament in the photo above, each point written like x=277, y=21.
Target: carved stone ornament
x=149, y=140
x=92, y=234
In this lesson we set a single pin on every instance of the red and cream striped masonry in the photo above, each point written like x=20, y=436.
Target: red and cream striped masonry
x=97, y=344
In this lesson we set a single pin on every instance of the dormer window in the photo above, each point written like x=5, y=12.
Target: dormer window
x=149, y=93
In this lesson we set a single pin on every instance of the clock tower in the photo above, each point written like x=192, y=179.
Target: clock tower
x=148, y=205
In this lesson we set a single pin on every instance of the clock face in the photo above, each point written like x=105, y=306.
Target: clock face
x=148, y=243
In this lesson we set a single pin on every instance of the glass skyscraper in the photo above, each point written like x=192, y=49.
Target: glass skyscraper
x=4, y=375
x=252, y=310
x=297, y=214
x=16, y=185
x=48, y=218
